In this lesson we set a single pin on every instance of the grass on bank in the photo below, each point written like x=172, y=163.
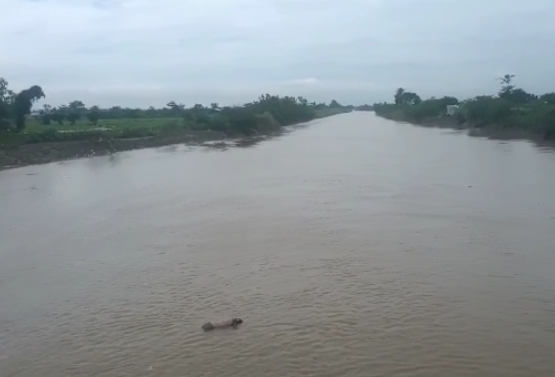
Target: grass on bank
x=19, y=125
x=511, y=111
x=34, y=126
x=125, y=128
x=490, y=114
x=82, y=130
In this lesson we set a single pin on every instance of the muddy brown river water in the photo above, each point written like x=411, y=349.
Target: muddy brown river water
x=353, y=247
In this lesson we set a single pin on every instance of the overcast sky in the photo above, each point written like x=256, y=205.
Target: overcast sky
x=147, y=52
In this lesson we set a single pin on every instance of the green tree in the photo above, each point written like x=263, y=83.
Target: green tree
x=151, y=112
x=114, y=112
x=59, y=114
x=23, y=103
x=46, y=114
x=511, y=93
x=404, y=98
x=303, y=101
x=548, y=98
x=399, y=96
x=76, y=109
x=93, y=115
x=447, y=101
x=507, y=86
x=73, y=117
x=7, y=98
x=176, y=109
x=522, y=97
x=410, y=98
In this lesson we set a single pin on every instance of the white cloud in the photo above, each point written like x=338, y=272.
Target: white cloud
x=142, y=52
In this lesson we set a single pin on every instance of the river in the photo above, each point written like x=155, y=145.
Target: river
x=352, y=246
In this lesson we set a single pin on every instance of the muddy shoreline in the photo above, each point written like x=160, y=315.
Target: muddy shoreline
x=48, y=152
x=489, y=132
x=43, y=153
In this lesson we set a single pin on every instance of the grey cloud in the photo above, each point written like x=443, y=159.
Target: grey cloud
x=142, y=52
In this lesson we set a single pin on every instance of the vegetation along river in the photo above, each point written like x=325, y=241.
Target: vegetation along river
x=353, y=246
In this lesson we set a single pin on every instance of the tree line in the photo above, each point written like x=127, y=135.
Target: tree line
x=511, y=108
x=76, y=110
x=265, y=111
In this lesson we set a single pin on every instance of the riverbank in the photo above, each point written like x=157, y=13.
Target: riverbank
x=47, y=152
x=42, y=153
x=512, y=113
x=488, y=131
x=73, y=130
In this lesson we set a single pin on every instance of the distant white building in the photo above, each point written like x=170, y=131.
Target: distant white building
x=452, y=109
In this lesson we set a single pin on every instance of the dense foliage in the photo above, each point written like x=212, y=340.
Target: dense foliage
x=511, y=108
x=267, y=113
x=15, y=107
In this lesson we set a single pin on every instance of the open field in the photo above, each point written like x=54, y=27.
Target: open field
x=34, y=126
x=105, y=129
